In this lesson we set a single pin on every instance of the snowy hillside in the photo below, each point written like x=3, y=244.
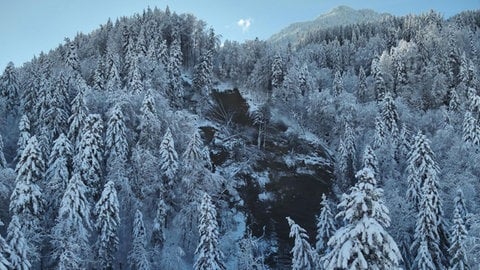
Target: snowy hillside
x=339, y=16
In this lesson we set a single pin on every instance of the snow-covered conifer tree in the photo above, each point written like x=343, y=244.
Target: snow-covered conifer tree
x=277, y=71
x=338, y=84
x=3, y=161
x=24, y=136
x=471, y=130
x=58, y=171
x=390, y=116
x=380, y=136
x=56, y=116
x=116, y=139
x=9, y=86
x=5, y=253
x=99, y=75
x=363, y=242
x=454, y=103
x=208, y=253
x=202, y=77
x=459, y=202
x=457, y=250
x=362, y=85
x=193, y=154
x=174, y=69
x=71, y=232
x=89, y=154
x=159, y=223
x=26, y=200
x=19, y=248
x=135, y=82
x=139, y=254
x=77, y=117
x=304, y=256
x=108, y=220
x=370, y=160
x=168, y=157
x=325, y=226
x=113, y=82
x=71, y=56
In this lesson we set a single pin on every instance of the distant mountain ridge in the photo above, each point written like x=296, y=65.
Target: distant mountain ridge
x=341, y=15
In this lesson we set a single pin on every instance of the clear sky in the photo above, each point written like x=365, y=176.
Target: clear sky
x=28, y=27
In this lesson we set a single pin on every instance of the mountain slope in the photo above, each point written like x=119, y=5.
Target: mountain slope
x=341, y=15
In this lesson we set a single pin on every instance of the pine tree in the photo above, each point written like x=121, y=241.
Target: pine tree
x=202, y=77
x=363, y=242
x=9, y=87
x=108, y=220
x=99, y=75
x=26, y=200
x=325, y=226
x=347, y=151
x=471, y=130
x=58, y=171
x=168, y=157
x=454, y=103
x=56, y=116
x=208, y=254
x=3, y=161
x=159, y=223
x=139, y=255
x=71, y=232
x=337, y=84
x=135, y=82
x=113, y=82
x=173, y=68
x=424, y=195
x=77, y=116
x=116, y=139
x=89, y=154
x=277, y=71
x=149, y=123
x=19, y=247
x=71, y=56
x=380, y=136
x=380, y=86
x=362, y=85
x=303, y=255
x=457, y=250
x=390, y=116
x=24, y=136
x=5, y=252
x=459, y=202
x=193, y=155
x=370, y=160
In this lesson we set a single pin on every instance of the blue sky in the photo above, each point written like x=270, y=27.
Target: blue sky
x=28, y=27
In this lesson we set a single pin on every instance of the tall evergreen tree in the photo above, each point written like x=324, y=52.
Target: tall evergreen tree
x=390, y=116
x=457, y=250
x=338, y=84
x=56, y=116
x=303, y=255
x=193, y=155
x=370, y=160
x=71, y=232
x=77, y=117
x=159, y=223
x=380, y=136
x=174, y=69
x=3, y=161
x=108, y=221
x=471, y=130
x=363, y=242
x=9, y=87
x=362, y=85
x=18, y=244
x=325, y=226
x=116, y=139
x=71, y=56
x=24, y=136
x=88, y=160
x=208, y=254
x=139, y=255
x=277, y=71
x=135, y=78
x=202, y=77
x=168, y=157
x=5, y=252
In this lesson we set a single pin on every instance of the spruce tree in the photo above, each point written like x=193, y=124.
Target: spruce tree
x=168, y=157
x=3, y=161
x=71, y=232
x=208, y=254
x=19, y=248
x=370, y=160
x=454, y=103
x=193, y=155
x=116, y=144
x=174, y=69
x=88, y=160
x=71, y=56
x=56, y=116
x=159, y=223
x=202, y=77
x=337, y=84
x=135, y=82
x=380, y=136
x=5, y=252
x=457, y=250
x=77, y=117
x=9, y=87
x=362, y=85
x=24, y=136
x=325, y=226
x=303, y=255
x=108, y=221
x=471, y=130
x=139, y=255
x=390, y=116
x=363, y=242
x=277, y=71
x=113, y=82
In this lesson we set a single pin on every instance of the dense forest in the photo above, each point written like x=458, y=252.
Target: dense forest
x=149, y=144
